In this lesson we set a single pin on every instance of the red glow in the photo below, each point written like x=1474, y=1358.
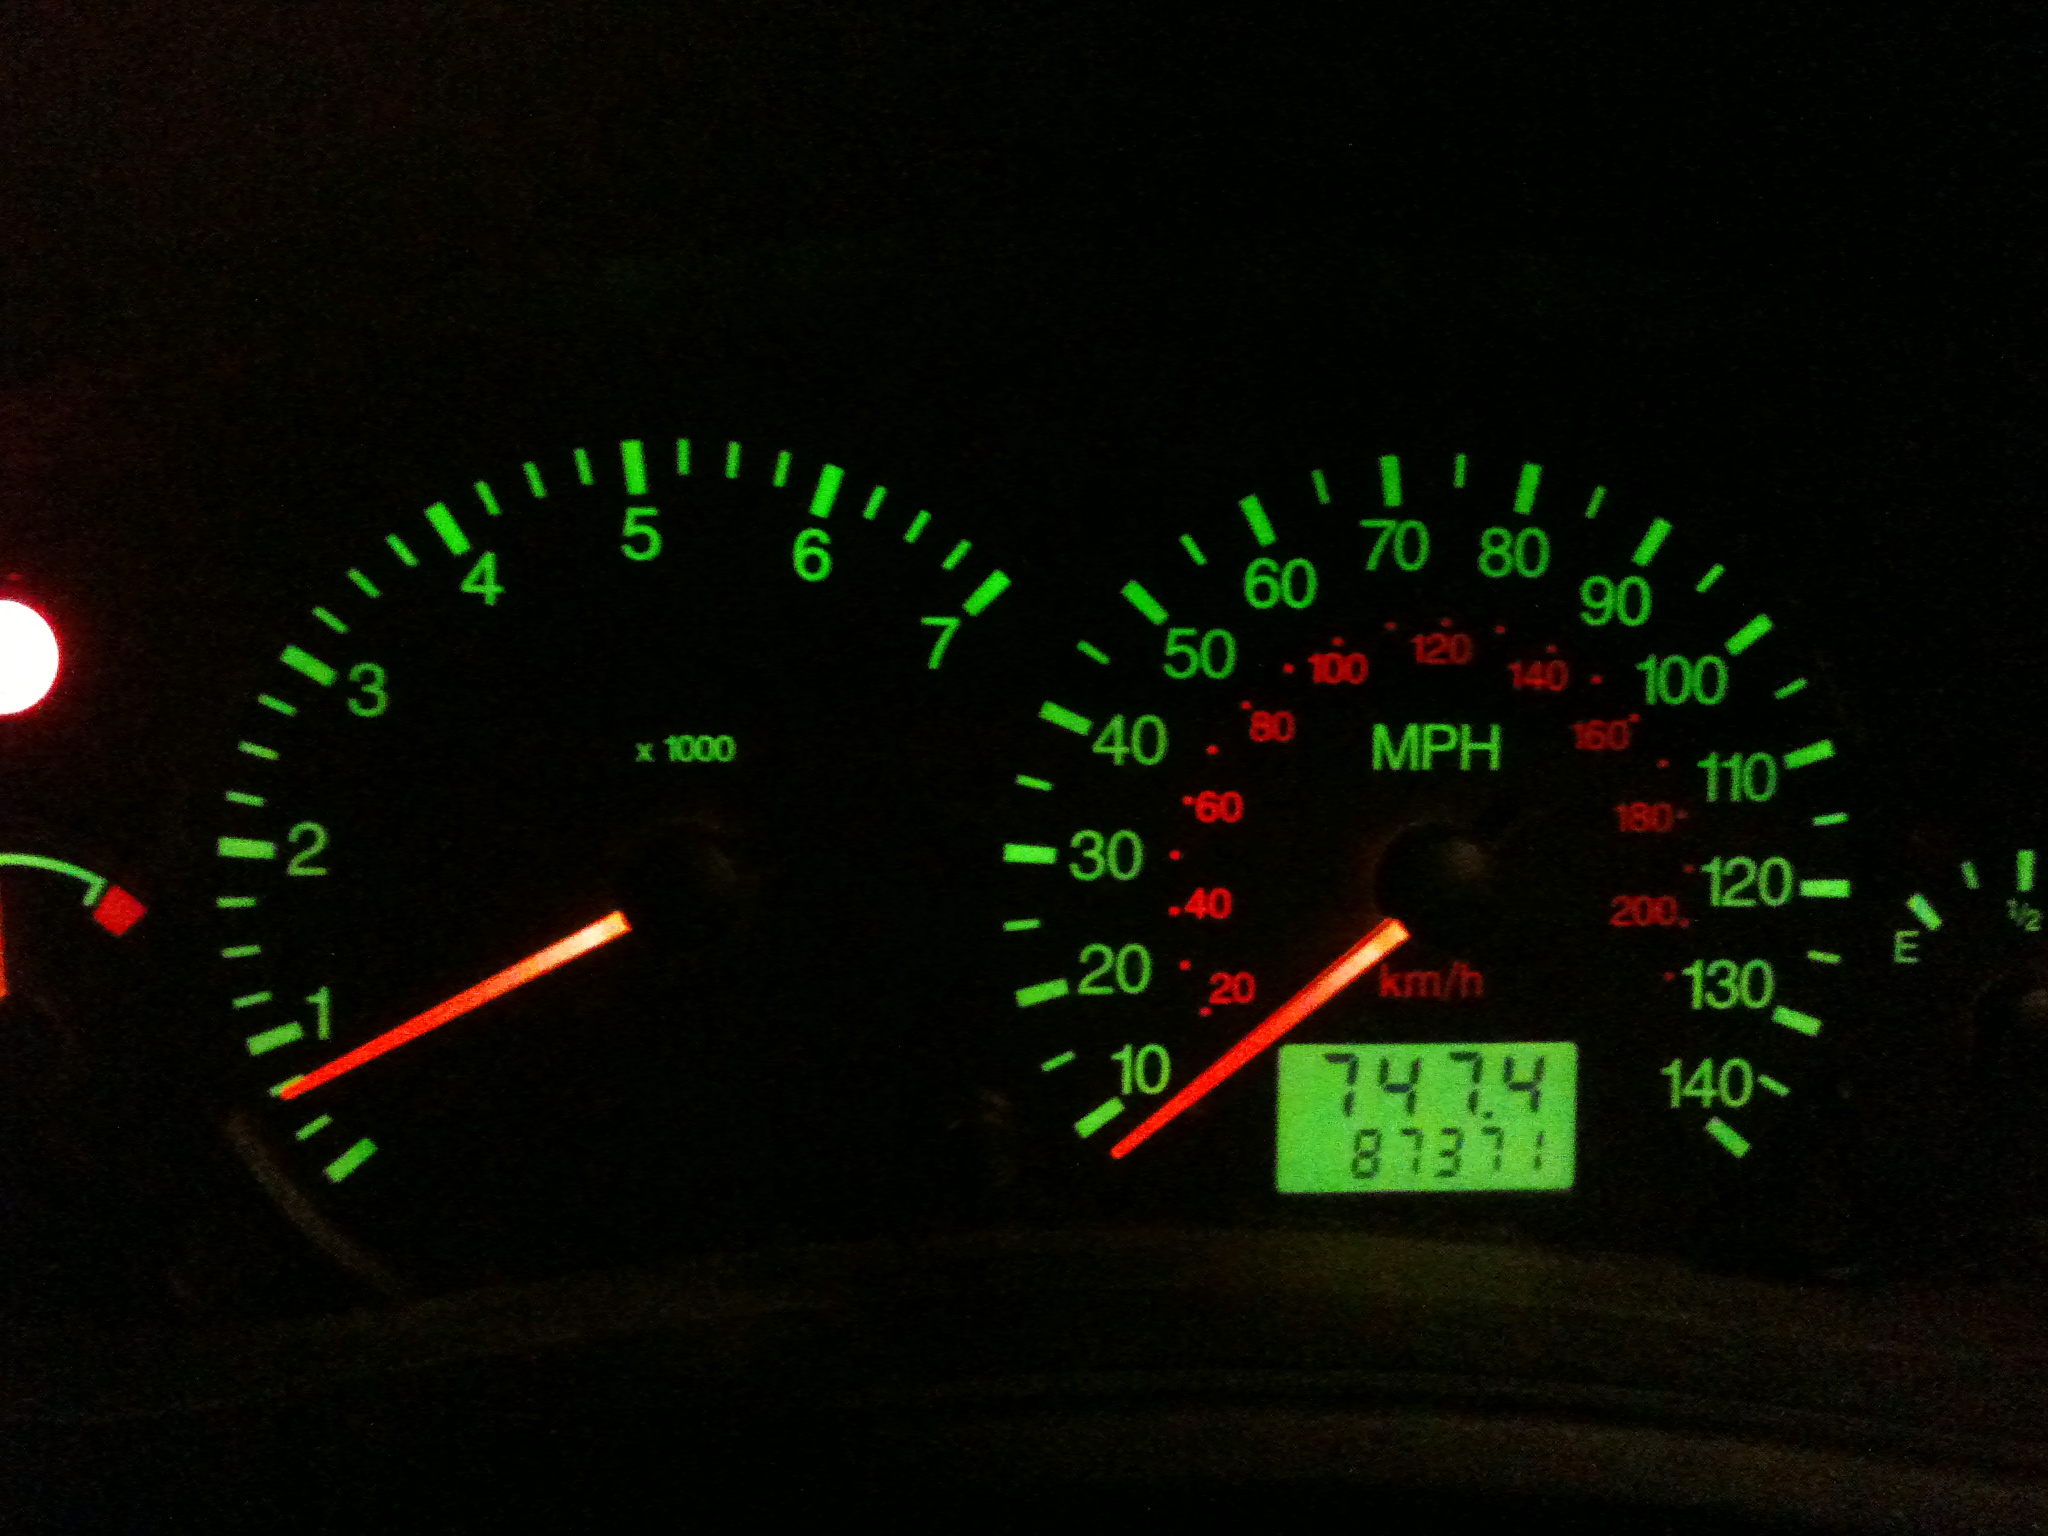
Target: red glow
x=560, y=953
x=1386, y=936
x=3, y=956
x=28, y=657
x=118, y=911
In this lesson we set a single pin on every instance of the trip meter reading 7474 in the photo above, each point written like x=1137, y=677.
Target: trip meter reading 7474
x=1428, y=827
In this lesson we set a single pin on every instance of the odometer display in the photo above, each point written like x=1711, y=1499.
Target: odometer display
x=1365, y=1118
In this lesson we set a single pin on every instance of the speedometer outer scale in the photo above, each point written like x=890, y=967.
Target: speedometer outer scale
x=1430, y=828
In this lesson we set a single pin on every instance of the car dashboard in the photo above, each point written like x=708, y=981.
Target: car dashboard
x=762, y=762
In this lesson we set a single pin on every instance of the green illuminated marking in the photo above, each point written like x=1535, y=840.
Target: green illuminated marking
x=781, y=476
x=450, y=531
x=1390, y=479
x=358, y=1154
x=917, y=527
x=1091, y=652
x=313, y=1127
x=1187, y=542
x=246, y=848
x=1797, y=685
x=1714, y=574
x=1831, y=819
x=1793, y=1019
x=308, y=665
x=277, y=1089
x=95, y=885
x=234, y=901
x=633, y=463
x=2023, y=870
x=1652, y=541
x=1823, y=957
x=363, y=583
x=268, y=701
x=248, y=999
x=1065, y=719
x=1026, y=781
x=1525, y=489
x=399, y=548
x=583, y=468
x=1728, y=1136
x=1044, y=992
x=1097, y=1118
x=1030, y=853
x=1771, y=1084
x=1458, y=473
x=1260, y=525
x=1825, y=890
x=1923, y=909
x=1970, y=874
x=732, y=461
x=956, y=555
x=271, y=1039
x=237, y=797
x=254, y=750
x=1818, y=752
x=1020, y=925
x=1593, y=506
x=1315, y=478
x=874, y=502
x=682, y=455
x=330, y=621
x=1749, y=634
x=1057, y=1062
x=829, y=476
x=534, y=483
x=483, y=494
x=993, y=586
x=241, y=951
x=1144, y=602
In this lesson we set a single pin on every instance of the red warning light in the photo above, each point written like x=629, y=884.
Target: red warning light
x=28, y=657
x=118, y=911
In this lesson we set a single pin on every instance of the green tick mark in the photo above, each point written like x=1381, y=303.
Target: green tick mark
x=1144, y=602
x=1390, y=478
x=993, y=586
x=273, y=1039
x=1030, y=853
x=444, y=524
x=633, y=465
x=1819, y=752
x=1749, y=634
x=1923, y=909
x=1187, y=542
x=1800, y=1023
x=1652, y=541
x=307, y=665
x=1064, y=718
x=1260, y=525
x=1097, y=1118
x=1728, y=1136
x=358, y=1154
x=829, y=477
x=1525, y=488
x=1044, y=992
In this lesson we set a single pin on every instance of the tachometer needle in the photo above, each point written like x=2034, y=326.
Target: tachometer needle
x=1386, y=936
x=560, y=953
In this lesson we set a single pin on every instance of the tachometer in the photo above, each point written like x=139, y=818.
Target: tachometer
x=1428, y=827
x=577, y=864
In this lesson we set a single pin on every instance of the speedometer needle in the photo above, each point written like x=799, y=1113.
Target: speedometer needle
x=560, y=953
x=1387, y=935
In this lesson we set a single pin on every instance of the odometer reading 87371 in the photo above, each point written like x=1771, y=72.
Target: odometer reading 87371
x=1363, y=1118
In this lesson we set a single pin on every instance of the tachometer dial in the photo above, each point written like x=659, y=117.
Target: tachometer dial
x=575, y=864
x=1566, y=765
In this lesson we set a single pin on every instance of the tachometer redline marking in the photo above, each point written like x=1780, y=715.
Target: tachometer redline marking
x=1386, y=936
x=560, y=953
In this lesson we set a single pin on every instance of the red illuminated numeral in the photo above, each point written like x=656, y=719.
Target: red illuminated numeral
x=1644, y=816
x=1232, y=987
x=1214, y=902
x=1338, y=667
x=1553, y=676
x=1600, y=735
x=1440, y=650
x=1644, y=912
x=1212, y=805
x=1274, y=724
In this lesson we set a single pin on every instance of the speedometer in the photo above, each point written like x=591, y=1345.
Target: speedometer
x=1429, y=827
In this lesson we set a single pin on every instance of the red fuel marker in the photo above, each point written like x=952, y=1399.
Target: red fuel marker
x=118, y=911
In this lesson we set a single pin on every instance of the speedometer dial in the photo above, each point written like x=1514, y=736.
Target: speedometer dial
x=1428, y=827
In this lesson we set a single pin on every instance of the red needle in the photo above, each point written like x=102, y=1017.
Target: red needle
x=581, y=942
x=1387, y=936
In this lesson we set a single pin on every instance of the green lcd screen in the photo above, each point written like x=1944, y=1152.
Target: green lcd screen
x=1372, y=1118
